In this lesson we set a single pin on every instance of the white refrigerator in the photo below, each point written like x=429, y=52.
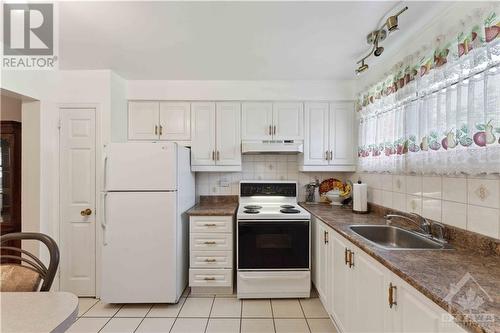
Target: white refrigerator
x=147, y=189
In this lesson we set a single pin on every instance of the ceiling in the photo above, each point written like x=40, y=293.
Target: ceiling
x=227, y=40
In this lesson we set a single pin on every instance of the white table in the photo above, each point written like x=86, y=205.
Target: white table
x=37, y=312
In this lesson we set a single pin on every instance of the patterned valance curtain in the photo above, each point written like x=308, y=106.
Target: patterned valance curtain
x=438, y=112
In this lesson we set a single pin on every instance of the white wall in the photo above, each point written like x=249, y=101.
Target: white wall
x=30, y=172
x=10, y=108
x=240, y=90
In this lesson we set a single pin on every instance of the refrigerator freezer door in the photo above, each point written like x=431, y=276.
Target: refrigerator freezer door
x=141, y=167
x=139, y=258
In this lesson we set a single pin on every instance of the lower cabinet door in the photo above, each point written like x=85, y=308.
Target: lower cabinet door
x=323, y=263
x=340, y=305
x=368, y=294
x=416, y=313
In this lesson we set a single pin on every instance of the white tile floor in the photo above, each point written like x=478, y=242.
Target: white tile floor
x=211, y=314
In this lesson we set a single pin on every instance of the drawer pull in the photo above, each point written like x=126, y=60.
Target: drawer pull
x=210, y=260
x=210, y=242
x=209, y=278
x=210, y=225
x=351, y=259
x=346, y=256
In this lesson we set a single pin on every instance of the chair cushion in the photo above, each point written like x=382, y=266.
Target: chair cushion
x=18, y=278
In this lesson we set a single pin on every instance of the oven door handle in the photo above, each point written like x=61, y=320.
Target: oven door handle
x=270, y=277
x=277, y=222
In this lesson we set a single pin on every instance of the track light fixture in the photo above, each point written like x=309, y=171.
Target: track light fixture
x=376, y=36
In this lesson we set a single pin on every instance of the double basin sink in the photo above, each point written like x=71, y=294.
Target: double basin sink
x=394, y=238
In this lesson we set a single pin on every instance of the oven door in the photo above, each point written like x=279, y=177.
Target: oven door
x=273, y=245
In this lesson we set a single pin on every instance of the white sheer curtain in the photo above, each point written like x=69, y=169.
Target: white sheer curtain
x=439, y=113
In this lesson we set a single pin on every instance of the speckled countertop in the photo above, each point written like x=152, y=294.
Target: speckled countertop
x=223, y=205
x=432, y=272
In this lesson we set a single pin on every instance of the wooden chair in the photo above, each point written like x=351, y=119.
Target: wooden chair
x=27, y=271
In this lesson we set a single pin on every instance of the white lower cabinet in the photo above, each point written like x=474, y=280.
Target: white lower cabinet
x=361, y=295
x=211, y=254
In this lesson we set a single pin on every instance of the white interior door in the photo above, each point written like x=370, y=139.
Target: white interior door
x=228, y=135
x=77, y=193
x=175, y=121
x=143, y=120
x=342, y=133
x=288, y=121
x=203, y=138
x=257, y=119
x=316, y=134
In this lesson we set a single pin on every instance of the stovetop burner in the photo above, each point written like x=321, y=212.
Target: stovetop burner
x=252, y=207
x=251, y=211
x=287, y=206
x=290, y=211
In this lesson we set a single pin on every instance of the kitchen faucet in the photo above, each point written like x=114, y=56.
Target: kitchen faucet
x=420, y=221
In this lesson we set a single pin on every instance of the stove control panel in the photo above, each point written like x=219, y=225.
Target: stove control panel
x=268, y=189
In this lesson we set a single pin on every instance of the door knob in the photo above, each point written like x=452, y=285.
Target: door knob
x=86, y=212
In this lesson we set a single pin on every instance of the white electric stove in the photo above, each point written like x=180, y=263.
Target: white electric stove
x=273, y=241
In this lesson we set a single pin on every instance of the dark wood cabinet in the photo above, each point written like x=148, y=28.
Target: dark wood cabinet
x=10, y=172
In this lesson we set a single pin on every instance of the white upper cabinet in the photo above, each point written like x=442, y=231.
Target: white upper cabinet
x=150, y=121
x=203, y=133
x=175, y=121
x=257, y=120
x=316, y=134
x=143, y=120
x=342, y=133
x=288, y=121
x=228, y=135
x=329, y=137
x=216, y=137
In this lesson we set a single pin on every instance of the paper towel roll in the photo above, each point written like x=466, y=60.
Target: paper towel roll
x=359, y=198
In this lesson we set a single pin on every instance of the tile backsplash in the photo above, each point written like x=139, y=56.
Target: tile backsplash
x=260, y=167
x=471, y=203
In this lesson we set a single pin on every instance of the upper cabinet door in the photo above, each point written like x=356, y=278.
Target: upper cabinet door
x=316, y=134
x=257, y=119
x=288, y=121
x=228, y=135
x=143, y=118
x=175, y=121
x=203, y=133
x=342, y=133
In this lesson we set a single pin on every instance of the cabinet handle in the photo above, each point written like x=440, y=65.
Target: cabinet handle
x=209, y=278
x=351, y=259
x=156, y=129
x=210, y=242
x=210, y=260
x=274, y=129
x=331, y=155
x=210, y=225
x=270, y=130
x=325, y=237
x=161, y=130
x=346, y=255
x=213, y=155
x=326, y=155
x=218, y=155
x=392, y=302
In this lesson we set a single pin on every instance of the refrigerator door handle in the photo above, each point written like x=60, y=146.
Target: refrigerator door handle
x=105, y=177
x=103, y=219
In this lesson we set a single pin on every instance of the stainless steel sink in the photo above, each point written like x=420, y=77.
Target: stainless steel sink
x=395, y=238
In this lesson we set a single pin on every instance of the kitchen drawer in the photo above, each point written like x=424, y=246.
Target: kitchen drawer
x=210, y=277
x=207, y=241
x=211, y=259
x=211, y=224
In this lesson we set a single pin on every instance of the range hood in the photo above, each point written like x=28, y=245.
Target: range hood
x=272, y=147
